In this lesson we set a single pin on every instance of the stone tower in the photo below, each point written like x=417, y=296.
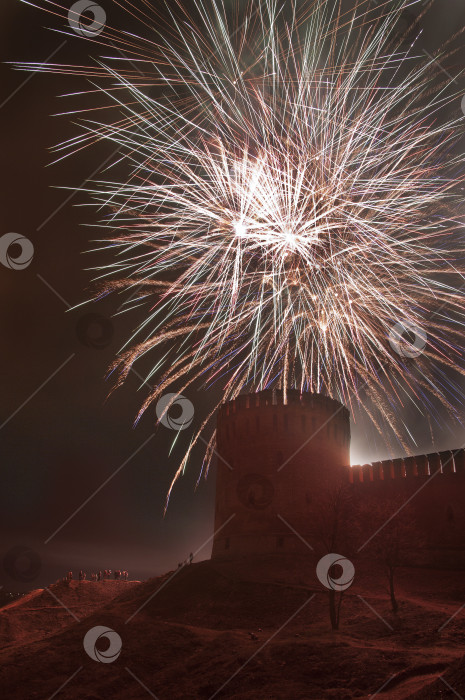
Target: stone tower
x=273, y=459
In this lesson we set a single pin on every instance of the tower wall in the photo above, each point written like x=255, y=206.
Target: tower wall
x=273, y=460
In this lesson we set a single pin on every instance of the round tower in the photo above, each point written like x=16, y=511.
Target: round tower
x=274, y=458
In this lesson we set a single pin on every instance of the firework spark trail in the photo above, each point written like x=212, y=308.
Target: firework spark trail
x=288, y=199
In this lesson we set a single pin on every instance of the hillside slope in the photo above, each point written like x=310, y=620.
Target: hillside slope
x=43, y=612
x=212, y=630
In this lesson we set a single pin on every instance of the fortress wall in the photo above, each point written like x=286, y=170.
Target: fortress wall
x=447, y=462
x=277, y=458
x=273, y=459
x=434, y=485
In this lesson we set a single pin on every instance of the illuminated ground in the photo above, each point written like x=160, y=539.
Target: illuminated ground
x=194, y=636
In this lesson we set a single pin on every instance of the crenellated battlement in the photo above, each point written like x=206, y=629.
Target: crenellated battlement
x=426, y=465
x=275, y=397
x=303, y=416
x=280, y=455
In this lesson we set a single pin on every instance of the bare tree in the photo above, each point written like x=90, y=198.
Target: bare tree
x=334, y=532
x=396, y=528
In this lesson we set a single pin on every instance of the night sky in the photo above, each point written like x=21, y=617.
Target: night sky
x=59, y=445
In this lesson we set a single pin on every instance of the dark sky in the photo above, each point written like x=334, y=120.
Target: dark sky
x=66, y=440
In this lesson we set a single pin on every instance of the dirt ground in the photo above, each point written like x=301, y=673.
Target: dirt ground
x=252, y=630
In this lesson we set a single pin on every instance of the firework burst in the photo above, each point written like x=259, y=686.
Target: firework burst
x=290, y=192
